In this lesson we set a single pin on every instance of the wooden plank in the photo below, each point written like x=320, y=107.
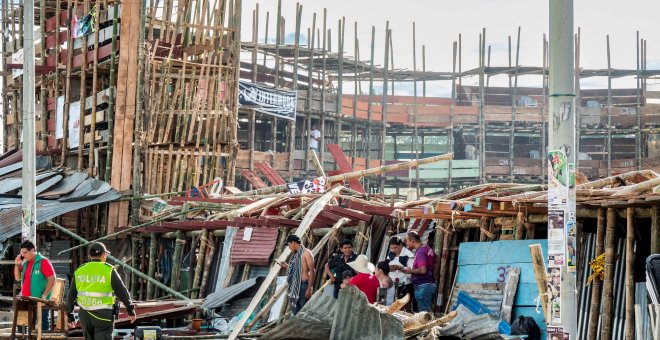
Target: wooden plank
x=510, y=288
x=344, y=165
x=251, y=177
x=540, y=275
x=273, y=177
x=315, y=209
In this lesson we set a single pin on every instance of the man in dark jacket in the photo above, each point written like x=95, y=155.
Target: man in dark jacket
x=94, y=288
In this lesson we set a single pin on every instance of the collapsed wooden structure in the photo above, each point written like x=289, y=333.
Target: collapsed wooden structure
x=618, y=207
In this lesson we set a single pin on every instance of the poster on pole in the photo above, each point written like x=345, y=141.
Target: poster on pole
x=558, y=183
x=571, y=260
x=554, y=294
x=556, y=237
x=557, y=333
x=268, y=100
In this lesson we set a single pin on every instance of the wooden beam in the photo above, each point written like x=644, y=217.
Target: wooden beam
x=510, y=288
x=343, y=164
x=540, y=273
x=315, y=209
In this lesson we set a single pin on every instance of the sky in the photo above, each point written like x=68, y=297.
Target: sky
x=439, y=23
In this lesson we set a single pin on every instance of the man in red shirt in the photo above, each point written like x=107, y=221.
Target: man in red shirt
x=36, y=274
x=365, y=280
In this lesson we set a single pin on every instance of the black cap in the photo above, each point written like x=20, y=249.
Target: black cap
x=293, y=238
x=97, y=249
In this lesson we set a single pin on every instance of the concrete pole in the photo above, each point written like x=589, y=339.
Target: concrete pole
x=562, y=131
x=29, y=231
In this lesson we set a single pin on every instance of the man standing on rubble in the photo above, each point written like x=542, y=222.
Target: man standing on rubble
x=422, y=272
x=338, y=264
x=300, y=273
x=93, y=287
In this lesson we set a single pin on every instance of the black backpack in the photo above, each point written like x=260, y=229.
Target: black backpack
x=526, y=325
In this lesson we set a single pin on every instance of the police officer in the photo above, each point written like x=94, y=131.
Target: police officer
x=93, y=288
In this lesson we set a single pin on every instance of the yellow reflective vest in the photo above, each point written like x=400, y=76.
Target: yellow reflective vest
x=93, y=283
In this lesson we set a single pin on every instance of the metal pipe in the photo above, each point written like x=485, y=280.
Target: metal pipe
x=123, y=264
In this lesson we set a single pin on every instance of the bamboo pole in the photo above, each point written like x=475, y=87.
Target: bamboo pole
x=354, y=174
x=617, y=179
x=608, y=284
x=208, y=262
x=638, y=188
x=123, y=264
x=630, y=279
x=134, y=263
x=176, y=260
x=383, y=127
x=520, y=225
x=597, y=283
x=199, y=266
x=83, y=95
x=153, y=249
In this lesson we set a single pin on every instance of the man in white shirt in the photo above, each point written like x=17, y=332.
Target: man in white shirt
x=314, y=138
x=400, y=257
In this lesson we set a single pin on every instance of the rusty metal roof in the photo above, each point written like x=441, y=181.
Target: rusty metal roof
x=256, y=250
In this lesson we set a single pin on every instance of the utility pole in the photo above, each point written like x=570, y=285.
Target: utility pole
x=28, y=199
x=561, y=171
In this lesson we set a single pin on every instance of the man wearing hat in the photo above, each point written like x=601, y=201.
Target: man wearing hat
x=300, y=273
x=94, y=286
x=365, y=280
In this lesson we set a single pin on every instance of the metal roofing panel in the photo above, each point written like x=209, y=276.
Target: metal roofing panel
x=355, y=318
x=9, y=184
x=221, y=296
x=67, y=185
x=10, y=219
x=314, y=321
x=82, y=189
x=257, y=250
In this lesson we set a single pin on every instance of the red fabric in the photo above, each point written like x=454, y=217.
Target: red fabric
x=46, y=269
x=368, y=284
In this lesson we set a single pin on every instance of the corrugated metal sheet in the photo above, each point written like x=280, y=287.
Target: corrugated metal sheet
x=619, y=308
x=257, y=250
x=356, y=319
x=642, y=301
x=314, y=321
x=349, y=317
x=10, y=206
x=9, y=184
x=67, y=185
x=224, y=295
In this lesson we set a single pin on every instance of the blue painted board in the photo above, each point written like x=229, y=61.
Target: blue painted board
x=493, y=273
x=486, y=262
x=498, y=252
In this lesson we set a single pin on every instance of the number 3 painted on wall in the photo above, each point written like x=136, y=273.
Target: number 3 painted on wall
x=501, y=273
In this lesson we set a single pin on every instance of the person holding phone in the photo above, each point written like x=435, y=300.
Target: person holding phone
x=36, y=274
